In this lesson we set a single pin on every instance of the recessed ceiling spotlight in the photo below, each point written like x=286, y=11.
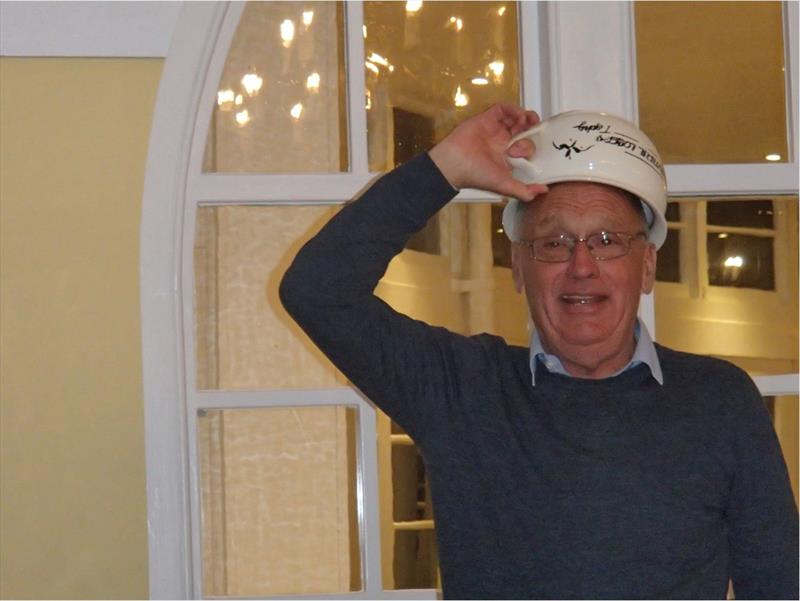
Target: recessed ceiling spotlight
x=773, y=157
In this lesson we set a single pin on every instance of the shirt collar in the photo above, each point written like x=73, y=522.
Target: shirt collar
x=644, y=352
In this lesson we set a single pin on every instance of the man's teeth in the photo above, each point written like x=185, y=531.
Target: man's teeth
x=578, y=298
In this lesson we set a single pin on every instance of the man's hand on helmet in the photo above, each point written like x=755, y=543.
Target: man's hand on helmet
x=475, y=154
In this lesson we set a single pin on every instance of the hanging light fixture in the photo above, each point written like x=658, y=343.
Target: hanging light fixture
x=296, y=111
x=252, y=83
x=225, y=99
x=242, y=118
x=312, y=82
x=460, y=99
x=287, y=32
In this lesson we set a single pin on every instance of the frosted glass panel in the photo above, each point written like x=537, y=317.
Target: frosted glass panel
x=711, y=77
x=246, y=340
x=429, y=66
x=278, y=494
x=281, y=100
x=732, y=290
x=244, y=337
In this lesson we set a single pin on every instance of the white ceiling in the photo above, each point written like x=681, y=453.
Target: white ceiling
x=97, y=29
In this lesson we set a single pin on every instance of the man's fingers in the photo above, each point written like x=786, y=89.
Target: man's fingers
x=521, y=149
x=523, y=192
x=537, y=190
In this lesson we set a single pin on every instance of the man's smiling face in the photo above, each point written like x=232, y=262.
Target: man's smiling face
x=585, y=309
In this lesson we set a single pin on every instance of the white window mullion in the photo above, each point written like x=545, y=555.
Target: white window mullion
x=791, y=17
x=530, y=56
x=591, y=52
x=356, y=88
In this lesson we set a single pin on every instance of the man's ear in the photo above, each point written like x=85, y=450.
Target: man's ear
x=649, y=268
x=516, y=268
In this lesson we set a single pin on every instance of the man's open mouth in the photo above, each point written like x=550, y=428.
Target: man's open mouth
x=582, y=299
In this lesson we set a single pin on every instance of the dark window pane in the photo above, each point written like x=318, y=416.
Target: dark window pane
x=673, y=211
x=741, y=213
x=501, y=247
x=668, y=266
x=740, y=261
x=427, y=239
x=711, y=63
x=415, y=559
x=413, y=133
x=408, y=471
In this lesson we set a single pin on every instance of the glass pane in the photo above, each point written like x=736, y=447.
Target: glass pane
x=740, y=261
x=741, y=213
x=281, y=100
x=408, y=471
x=415, y=559
x=785, y=416
x=460, y=287
x=701, y=67
x=501, y=249
x=668, y=266
x=244, y=337
x=755, y=327
x=278, y=494
x=430, y=65
x=673, y=212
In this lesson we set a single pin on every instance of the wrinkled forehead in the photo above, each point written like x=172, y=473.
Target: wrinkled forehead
x=584, y=205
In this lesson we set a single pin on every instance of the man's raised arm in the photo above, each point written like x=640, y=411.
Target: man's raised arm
x=329, y=287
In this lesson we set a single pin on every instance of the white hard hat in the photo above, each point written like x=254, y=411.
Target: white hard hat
x=593, y=147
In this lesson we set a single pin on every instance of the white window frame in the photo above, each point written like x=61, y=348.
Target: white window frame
x=576, y=68
x=175, y=187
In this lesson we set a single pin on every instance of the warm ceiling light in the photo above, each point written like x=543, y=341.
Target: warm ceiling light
x=238, y=100
x=413, y=6
x=773, y=157
x=252, y=83
x=372, y=67
x=480, y=81
x=457, y=23
x=312, y=82
x=501, y=11
x=377, y=58
x=296, y=111
x=364, y=31
x=243, y=118
x=460, y=99
x=722, y=235
x=308, y=17
x=287, y=32
x=734, y=262
x=369, y=100
x=225, y=99
x=497, y=68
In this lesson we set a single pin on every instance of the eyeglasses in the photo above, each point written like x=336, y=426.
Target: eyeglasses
x=602, y=246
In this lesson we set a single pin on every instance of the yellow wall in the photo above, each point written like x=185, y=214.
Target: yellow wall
x=73, y=140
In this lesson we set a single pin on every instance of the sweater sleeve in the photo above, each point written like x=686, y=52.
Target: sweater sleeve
x=762, y=515
x=396, y=361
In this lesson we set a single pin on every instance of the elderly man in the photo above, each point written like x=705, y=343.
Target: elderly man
x=594, y=464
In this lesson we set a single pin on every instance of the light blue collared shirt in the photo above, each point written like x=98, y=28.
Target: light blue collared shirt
x=645, y=352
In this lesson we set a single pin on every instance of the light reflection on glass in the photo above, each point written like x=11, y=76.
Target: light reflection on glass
x=429, y=69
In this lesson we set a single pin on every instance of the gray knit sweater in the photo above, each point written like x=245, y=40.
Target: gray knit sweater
x=614, y=488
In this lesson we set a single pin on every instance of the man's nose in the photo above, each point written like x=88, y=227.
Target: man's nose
x=581, y=263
